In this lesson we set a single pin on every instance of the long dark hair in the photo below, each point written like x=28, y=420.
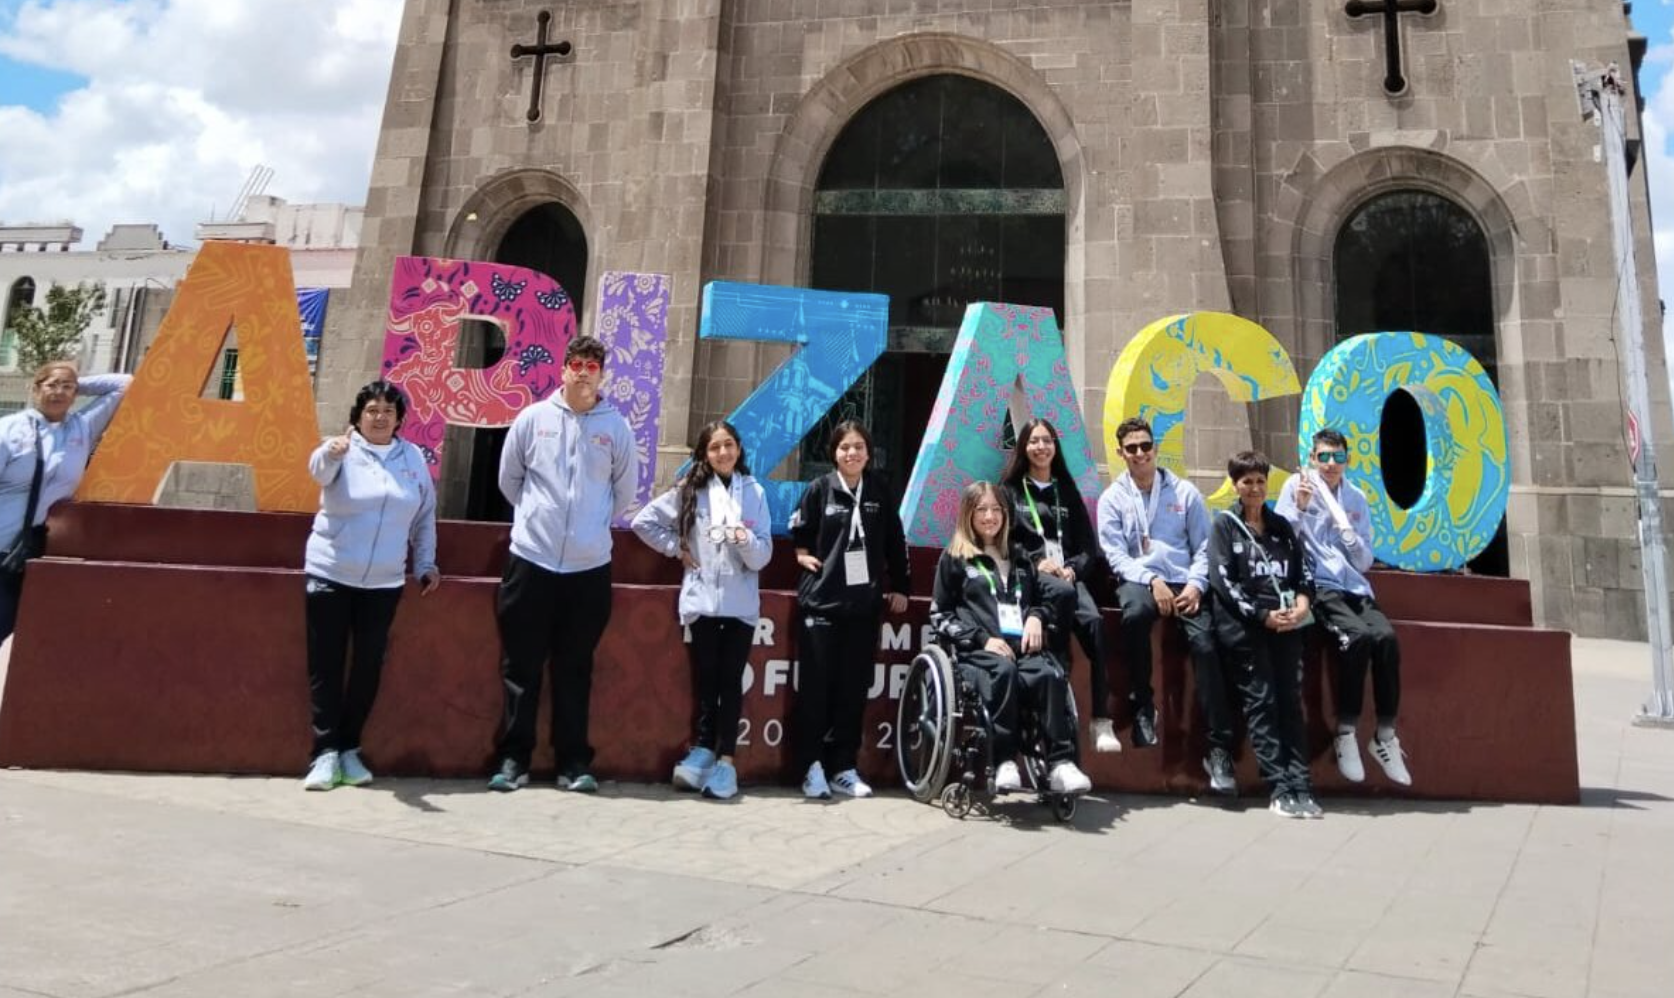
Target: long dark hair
x=701, y=473
x=1017, y=465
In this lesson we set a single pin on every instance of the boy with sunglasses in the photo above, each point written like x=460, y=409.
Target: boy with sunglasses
x=569, y=466
x=1154, y=530
x=1332, y=517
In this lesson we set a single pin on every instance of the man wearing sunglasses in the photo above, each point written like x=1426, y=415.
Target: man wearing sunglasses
x=569, y=466
x=1332, y=517
x=1154, y=530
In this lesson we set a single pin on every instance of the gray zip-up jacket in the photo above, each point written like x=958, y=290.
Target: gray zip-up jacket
x=1179, y=537
x=1336, y=561
x=567, y=474
x=372, y=510
x=727, y=581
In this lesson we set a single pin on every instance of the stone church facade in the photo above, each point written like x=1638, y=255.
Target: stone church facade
x=1233, y=155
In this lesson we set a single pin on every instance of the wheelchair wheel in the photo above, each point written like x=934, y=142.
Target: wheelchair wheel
x=924, y=725
x=1063, y=806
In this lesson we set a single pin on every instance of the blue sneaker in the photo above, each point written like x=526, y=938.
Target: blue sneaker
x=580, y=781
x=511, y=776
x=722, y=783
x=692, y=772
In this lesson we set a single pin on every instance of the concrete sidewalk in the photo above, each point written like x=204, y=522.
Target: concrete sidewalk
x=117, y=885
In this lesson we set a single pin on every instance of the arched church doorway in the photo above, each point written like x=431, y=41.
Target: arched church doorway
x=549, y=239
x=941, y=192
x=1415, y=260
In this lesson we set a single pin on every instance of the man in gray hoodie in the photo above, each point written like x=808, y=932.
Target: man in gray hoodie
x=569, y=467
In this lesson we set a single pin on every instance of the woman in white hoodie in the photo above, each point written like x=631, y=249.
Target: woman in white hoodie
x=376, y=503
x=715, y=521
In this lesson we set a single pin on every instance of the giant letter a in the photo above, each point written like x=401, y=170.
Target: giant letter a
x=163, y=420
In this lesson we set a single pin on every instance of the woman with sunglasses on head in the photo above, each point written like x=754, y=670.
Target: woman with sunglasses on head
x=991, y=606
x=377, y=505
x=1262, y=590
x=1052, y=525
x=43, y=453
x=715, y=521
x=853, y=554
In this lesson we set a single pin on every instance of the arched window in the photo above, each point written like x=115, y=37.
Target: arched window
x=21, y=295
x=1418, y=261
x=942, y=192
x=548, y=239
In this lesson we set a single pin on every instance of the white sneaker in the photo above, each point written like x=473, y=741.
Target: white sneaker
x=1067, y=778
x=849, y=784
x=1104, y=736
x=322, y=775
x=814, y=786
x=353, y=772
x=1007, y=779
x=1348, y=757
x=1393, y=760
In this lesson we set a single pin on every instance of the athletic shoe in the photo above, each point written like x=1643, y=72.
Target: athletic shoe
x=354, y=772
x=814, y=786
x=849, y=784
x=1310, y=807
x=1007, y=779
x=1219, y=768
x=1067, y=778
x=578, y=781
x=1393, y=760
x=1286, y=806
x=722, y=782
x=323, y=773
x=511, y=776
x=1104, y=736
x=692, y=772
x=1348, y=757
x=1145, y=727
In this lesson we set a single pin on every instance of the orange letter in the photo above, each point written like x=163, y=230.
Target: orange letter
x=163, y=420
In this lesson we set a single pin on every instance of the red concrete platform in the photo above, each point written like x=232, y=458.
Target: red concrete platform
x=171, y=641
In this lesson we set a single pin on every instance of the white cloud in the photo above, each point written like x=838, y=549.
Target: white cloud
x=184, y=97
x=1659, y=166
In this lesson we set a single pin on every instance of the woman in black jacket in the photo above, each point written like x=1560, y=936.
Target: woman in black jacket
x=1259, y=578
x=849, y=540
x=989, y=604
x=1052, y=525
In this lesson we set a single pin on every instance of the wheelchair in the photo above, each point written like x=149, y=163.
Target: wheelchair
x=945, y=742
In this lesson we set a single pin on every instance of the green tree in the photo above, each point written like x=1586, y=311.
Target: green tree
x=54, y=333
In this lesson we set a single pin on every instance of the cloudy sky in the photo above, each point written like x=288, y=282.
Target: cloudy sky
x=156, y=110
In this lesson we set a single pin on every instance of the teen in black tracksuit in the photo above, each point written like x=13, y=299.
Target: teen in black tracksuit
x=1050, y=521
x=851, y=567
x=994, y=610
x=1262, y=588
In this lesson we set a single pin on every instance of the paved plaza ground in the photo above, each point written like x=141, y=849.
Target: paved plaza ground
x=207, y=886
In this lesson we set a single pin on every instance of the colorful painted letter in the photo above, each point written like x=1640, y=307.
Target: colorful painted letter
x=999, y=347
x=164, y=419
x=1469, y=479
x=429, y=298
x=1154, y=375
x=840, y=333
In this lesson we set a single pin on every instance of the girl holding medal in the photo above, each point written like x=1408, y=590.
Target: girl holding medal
x=715, y=521
x=1052, y=525
x=990, y=605
x=849, y=541
x=1262, y=588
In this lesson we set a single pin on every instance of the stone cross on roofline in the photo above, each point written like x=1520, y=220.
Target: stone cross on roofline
x=1394, y=81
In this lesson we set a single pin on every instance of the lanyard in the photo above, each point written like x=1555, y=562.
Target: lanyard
x=1148, y=507
x=723, y=512
x=1057, y=511
x=994, y=591
x=857, y=532
x=1260, y=549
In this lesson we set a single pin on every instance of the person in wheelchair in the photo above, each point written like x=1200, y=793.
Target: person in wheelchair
x=990, y=607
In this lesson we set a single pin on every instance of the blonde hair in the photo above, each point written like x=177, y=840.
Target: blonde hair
x=45, y=371
x=966, y=542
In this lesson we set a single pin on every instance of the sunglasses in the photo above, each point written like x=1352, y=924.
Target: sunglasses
x=1332, y=457
x=581, y=365
x=1142, y=447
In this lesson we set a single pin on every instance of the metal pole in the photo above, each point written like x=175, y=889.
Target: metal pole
x=1603, y=93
